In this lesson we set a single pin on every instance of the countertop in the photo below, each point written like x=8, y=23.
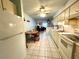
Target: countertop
x=71, y=36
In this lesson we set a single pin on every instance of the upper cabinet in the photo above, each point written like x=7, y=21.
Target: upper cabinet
x=0, y=4
x=73, y=21
x=19, y=6
x=74, y=9
x=74, y=14
x=70, y=15
x=61, y=17
x=9, y=6
x=66, y=16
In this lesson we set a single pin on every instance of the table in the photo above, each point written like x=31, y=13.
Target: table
x=31, y=36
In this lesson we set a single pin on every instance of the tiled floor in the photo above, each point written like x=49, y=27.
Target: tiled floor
x=42, y=49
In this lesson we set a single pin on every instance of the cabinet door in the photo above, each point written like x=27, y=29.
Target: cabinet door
x=61, y=16
x=66, y=16
x=74, y=8
x=55, y=18
x=73, y=21
x=0, y=4
x=9, y=6
x=58, y=17
x=78, y=22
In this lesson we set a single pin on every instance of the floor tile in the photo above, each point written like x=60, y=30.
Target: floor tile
x=28, y=52
x=33, y=57
x=40, y=57
x=48, y=58
x=42, y=53
x=45, y=48
x=36, y=53
x=27, y=57
x=56, y=55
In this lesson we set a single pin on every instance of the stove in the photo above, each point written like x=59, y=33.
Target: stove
x=66, y=46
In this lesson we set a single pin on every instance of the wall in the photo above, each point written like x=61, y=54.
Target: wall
x=68, y=28
x=12, y=38
x=29, y=25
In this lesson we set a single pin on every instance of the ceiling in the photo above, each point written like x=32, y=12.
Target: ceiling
x=31, y=7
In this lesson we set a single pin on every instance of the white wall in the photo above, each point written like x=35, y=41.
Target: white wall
x=29, y=25
x=12, y=38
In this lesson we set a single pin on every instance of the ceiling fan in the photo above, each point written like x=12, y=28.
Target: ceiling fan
x=42, y=9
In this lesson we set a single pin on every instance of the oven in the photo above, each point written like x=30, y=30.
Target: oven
x=66, y=47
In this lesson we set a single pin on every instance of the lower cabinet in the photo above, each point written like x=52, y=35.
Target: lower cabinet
x=55, y=37
x=76, y=53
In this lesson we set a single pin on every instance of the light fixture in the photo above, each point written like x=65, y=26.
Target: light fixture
x=42, y=9
x=43, y=15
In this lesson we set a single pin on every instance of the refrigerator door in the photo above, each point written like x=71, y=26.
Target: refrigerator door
x=10, y=25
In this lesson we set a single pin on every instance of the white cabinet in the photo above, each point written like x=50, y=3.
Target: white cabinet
x=66, y=16
x=76, y=54
x=74, y=8
x=55, y=36
x=9, y=6
x=0, y=4
x=73, y=21
x=61, y=16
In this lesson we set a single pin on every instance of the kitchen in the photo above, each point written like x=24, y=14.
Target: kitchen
x=66, y=33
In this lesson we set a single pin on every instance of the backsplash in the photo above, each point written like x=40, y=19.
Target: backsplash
x=68, y=28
